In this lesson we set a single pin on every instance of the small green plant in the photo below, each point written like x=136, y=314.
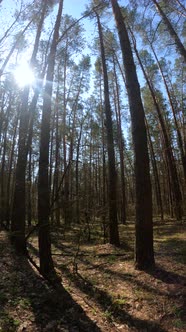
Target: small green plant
x=179, y=323
x=108, y=314
x=111, y=258
x=24, y=303
x=120, y=302
x=8, y=323
x=94, y=311
x=177, y=311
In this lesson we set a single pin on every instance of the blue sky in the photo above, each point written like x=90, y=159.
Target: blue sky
x=71, y=7
x=74, y=7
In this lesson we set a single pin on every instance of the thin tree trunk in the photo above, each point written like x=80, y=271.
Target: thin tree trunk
x=10, y=166
x=112, y=177
x=3, y=163
x=171, y=30
x=77, y=175
x=29, y=190
x=180, y=141
x=171, y=162
x=13, y=49
x=57, y=163
x=121, y=149
x=156, y=175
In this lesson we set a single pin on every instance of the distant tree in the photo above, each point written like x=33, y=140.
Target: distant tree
x=70, y=82
x=177, y=197
x=112, y=196
x=120, y=142
x=155, y=173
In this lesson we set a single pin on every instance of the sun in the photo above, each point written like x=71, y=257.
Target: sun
x=24, y=75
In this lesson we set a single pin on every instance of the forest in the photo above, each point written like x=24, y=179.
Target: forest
x=92, y=165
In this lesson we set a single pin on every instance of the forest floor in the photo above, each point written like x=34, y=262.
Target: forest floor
x=100, y=290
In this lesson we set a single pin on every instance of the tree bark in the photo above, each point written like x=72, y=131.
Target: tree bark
x=121, y=147
x=19, y=201
x=179, y=136
x=177, y=197
x=46, y=262
x=144, y=253
x=112, y=194
x=156, y=175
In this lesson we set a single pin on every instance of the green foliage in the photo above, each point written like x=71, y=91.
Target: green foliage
x=7, y=323
x=112, y=258
x=108, y=315
x=120, y=302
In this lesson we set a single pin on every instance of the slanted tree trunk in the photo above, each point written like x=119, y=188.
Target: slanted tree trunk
x=180, y=140
x=46, y=262
x=144, y=253
x=14, y=47
x=177, y=197
x=112, y=177
x=171, y=30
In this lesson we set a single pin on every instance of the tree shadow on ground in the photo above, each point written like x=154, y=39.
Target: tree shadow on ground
x=158, y=273
x=176, y=246
x=167, y=277
x=75, y=241
x=52, y=306
x=76, y=250
x=131, y=279
x=167, y=229
x=172, y=279
x=7, y=321
x=105, y=301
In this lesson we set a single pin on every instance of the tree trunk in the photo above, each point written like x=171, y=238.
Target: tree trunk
x=156, y=175
x=19, y=208
x=171, y=30
x=177, y=197
x=3, y=176
x=46, y=263
x=13, y=48
x=144, y=253
x=11, y=158
x=77, y=175
x=180, y=141
x=112, y=194
x=121, y=147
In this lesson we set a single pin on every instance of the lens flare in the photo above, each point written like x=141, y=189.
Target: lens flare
x=24, y=75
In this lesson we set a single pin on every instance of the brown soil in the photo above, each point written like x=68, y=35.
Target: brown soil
x=100, y=290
